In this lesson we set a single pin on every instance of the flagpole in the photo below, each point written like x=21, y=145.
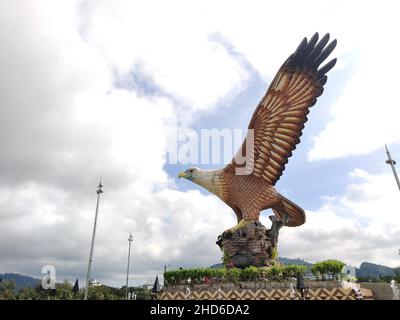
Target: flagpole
x=392, y=164
x=127, y=269
x=98, y=191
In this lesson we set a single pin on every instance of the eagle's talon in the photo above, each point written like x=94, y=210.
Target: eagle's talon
x=242, y=224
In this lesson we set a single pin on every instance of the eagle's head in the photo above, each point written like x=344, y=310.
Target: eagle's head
x=192, y=174
x=204, y=178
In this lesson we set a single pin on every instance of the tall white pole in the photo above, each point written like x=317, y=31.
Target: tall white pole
x=98, y=191
x=127, y=269
x=392, y=163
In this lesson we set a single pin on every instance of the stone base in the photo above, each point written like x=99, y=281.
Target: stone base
x=252, y=245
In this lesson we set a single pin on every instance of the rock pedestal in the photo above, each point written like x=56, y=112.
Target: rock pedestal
x=253, y=245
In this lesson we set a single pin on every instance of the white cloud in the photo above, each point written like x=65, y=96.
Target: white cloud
x=365, y=115
x=170, y=46
x=360, y=225
x=64, y=122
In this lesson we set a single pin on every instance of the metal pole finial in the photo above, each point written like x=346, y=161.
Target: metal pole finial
x=99, y=187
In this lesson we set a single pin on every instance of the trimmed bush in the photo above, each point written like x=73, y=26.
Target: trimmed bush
x=250, y=273
x=275, y=272
x=328, y=268
x=322, y=270
x=292, y=270
x=233, y=274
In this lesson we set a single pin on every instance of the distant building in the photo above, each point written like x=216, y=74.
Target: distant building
x=94, y=283
x=148, y=285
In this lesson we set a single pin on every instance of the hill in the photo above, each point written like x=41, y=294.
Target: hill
x=21, y=281
x=371, y=270
x=288, y=261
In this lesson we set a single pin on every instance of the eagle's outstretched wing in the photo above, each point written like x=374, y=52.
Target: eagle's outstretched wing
x=280, y=116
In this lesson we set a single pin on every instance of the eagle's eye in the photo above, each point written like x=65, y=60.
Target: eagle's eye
x=189, y=170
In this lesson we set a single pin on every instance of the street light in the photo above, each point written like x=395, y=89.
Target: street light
x=127, y=269
x=99, y=191
x=301, y=286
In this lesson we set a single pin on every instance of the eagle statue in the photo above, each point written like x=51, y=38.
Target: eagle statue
x=276, y=127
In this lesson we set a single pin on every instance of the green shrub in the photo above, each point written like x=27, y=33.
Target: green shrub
x=219, y=274
x=292, y=270
x=324, y=269
x=275, y=272
x=226, y=260
x=334, y=268
x=250, y=273
x=263, y=273
x=234, y=274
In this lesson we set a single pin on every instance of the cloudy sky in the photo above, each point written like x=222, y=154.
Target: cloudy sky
x=92, y=88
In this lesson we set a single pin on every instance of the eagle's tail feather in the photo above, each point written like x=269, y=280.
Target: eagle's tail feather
x=296, y=214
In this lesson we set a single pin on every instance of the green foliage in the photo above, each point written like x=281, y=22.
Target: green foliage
x=218, y=274
x=226, y=260
x=142, y=294
x=276, y=272
x=64, y=291
x=318, y=270
x=7, y=288
x=234, y=274
x=250, y=273
x=292, y=270
x=28, y=294
x=328, y=268
x=334, y=268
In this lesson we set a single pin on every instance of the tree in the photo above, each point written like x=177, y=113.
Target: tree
x=292, y=270
x=334, y=268
x=28, y=294
x=64, y=291
x=7, y=288
x=328, y=268
x=275, y=272
x=318, y=269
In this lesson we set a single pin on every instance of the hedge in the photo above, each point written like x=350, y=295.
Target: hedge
x=204, y=275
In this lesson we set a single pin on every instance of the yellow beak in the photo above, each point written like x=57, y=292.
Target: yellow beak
x=182, y=174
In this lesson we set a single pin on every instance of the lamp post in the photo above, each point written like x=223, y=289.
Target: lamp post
x=392, y=163
x=99, y=191
x=127, y=269
x=301, y=286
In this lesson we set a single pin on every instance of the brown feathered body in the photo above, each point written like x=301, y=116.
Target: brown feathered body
x=276, y=127
x=247, y=195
